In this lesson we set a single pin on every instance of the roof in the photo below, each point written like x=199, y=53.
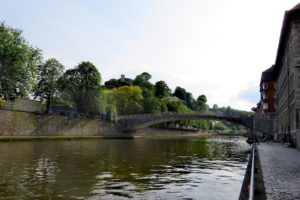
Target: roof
x=296, y=7
x=289, y=15
x=268, y=74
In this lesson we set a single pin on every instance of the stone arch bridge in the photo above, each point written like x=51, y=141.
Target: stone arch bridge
x=132, y=123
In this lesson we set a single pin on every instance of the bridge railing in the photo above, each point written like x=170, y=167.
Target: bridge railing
x=170, y=114
x=145, y=115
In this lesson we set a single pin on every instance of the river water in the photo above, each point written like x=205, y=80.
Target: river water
x=157, y=168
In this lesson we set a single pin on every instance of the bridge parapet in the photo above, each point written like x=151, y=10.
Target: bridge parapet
x=131, y=123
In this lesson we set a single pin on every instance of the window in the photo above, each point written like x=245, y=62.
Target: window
x=265, y=95
x=265, y=106
x=264, y=85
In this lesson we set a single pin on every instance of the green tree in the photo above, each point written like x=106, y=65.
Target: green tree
x=152, y=105
x=103, y=102
x=201, y=102
x=219, y=126
x=146, y=76
x=190, y=102
x=142, y=81
x=202, y=98
x=162, y=89
x=177, y=106
x=18, y=62
x=82, y=85
x=48, y=75
x=180, y=93
x=127, y=99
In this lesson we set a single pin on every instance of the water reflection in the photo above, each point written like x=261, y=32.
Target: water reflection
x=121, y=169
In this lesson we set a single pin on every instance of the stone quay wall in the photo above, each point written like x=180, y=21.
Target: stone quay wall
x=20, y=123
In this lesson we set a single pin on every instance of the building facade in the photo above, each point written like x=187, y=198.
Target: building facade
x=287, y=80
x=267, y=102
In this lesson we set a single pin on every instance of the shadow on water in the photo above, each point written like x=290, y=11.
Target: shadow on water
x=141, y=168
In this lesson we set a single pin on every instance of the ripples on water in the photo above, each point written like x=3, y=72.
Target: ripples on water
x=121, y=169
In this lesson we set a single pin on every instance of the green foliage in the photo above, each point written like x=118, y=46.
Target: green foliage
x=142, y=81
x=116, y=83
x=230, y=112
x=162, y=89
x=82, y=86
x=177, y=106
x=103, y=102
x=113, y=113
x=219, y=126
x=18, y=62
x=146, y=76
x=2, y=102
x=154, y=105
x=201, y=103
x=48, y=75
x=202, y=98
x=128, y=100
x=180, y=93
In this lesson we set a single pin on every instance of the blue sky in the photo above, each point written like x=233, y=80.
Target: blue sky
x=213, y=47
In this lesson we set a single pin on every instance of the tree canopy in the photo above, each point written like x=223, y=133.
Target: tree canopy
x=162, y=89
x=143, y=82
x=126, y=99
x=180, y=93
x=18, y=62
x=82, y=85
x=48, y=75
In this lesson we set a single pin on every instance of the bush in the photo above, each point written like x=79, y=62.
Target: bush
x=2, y=102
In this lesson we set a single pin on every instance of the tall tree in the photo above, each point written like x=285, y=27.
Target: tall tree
x=18, y=62
x=48, y=75
x=180, y=93
x=202, y=98
x=162, y=89
x=201, y=102
x=127, y=99
x=82, y=84
x=142, y=81
x=146, y=76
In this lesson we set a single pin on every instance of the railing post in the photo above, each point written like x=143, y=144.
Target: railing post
x=251, y=192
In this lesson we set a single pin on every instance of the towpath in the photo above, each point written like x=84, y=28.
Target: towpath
x=280, y=166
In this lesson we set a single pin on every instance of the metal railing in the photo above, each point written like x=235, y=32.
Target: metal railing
x=251, y=185
x=251, y=189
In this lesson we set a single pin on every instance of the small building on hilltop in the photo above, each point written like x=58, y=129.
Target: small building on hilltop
x=115, y=83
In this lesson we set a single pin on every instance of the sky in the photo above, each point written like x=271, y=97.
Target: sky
x=214, y=47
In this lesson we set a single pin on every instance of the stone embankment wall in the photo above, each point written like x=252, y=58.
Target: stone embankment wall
x=20, y=123
x=24, y=105
x=25, y=117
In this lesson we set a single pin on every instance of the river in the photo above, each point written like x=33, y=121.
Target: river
x=143, y=168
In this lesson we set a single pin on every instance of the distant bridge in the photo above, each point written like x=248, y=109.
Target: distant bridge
x=132, y=123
